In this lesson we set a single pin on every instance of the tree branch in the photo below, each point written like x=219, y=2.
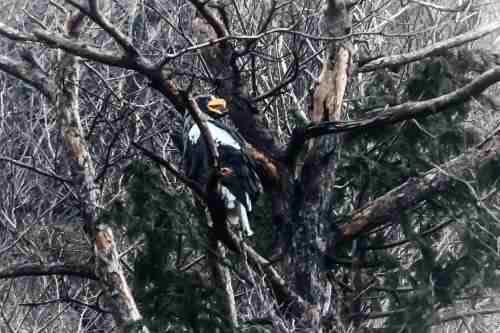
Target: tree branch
x=195, y=187
x=36, y=269
x=395, y=114
x=29, y=75
x=82, y=49
x=442, y=8
x=386, y=208
x=15, y=35
x=402, y=59
x=463, y=315
x=36, y=170
x=95, y=15
x=291, y=300
x=211, y=19
x=94, y=307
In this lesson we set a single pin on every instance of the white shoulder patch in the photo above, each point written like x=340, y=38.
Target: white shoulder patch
x=221, y=137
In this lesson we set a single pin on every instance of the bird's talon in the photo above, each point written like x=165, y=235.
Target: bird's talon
x=226, y=172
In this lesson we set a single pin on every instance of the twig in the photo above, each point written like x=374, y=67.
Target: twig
x=194, y=186
x=36, y=170
x=66, y=299
x=402, y=59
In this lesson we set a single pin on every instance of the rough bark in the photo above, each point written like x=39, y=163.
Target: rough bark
x=307, y=195
x=222, y=279
x=119, y=297
x=440, y=179
x=108, y=266
x=318, y=172
x=395, y=114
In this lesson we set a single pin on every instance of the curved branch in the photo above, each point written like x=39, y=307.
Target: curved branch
x=82, y=49
x=402, y=59
x=406, y=111
x=442, y=8
x=386, y=208
x=95, y=15
x=211, y=19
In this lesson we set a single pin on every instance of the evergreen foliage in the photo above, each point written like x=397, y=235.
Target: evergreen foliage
x=172, y=300
x=376, y=161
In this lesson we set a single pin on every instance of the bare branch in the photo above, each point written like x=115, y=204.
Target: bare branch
x=37, y=269
x=428, y=51
x=82, y=49
x=95, y=15
x=442, y=8
x=281, y=85
x=195, y=187
x=431, y=231
x=387, y=207
x=463, y=315
x=196, y=114
x=212, y=20
x=36, y=170
x=123, y=307
x=29, y=75
x=94, y=307
x=410, y=110
x=15, y=34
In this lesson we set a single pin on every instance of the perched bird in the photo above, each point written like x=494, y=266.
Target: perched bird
x=239, y=184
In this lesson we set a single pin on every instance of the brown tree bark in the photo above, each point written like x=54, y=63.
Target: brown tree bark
x=63, y=93
x=108, y=267
x=318, y=172
x=299, y=203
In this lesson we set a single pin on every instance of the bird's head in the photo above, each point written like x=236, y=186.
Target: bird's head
x=212, y=106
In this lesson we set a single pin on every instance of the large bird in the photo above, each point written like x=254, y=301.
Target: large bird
x=239, y=183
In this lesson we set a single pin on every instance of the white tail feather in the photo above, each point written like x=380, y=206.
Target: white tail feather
x=228, y=197
x=236, y=210
x=249, y=202
x=244, y=220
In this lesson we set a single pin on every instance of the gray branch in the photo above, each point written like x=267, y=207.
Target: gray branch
x=402, y=59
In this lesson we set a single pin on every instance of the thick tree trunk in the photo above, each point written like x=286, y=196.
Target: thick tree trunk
x=108, y=267
x=318, y=173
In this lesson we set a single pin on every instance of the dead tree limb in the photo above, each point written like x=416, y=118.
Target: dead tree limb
x=405, y=111
x=386, y=208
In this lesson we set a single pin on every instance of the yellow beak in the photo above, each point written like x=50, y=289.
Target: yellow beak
x=217, y=106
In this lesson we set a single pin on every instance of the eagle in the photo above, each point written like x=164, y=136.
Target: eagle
x=239, y=184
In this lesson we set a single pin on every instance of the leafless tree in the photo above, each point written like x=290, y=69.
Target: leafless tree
x=89, y=86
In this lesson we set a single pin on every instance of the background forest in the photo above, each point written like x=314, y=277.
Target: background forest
x=373, y=124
